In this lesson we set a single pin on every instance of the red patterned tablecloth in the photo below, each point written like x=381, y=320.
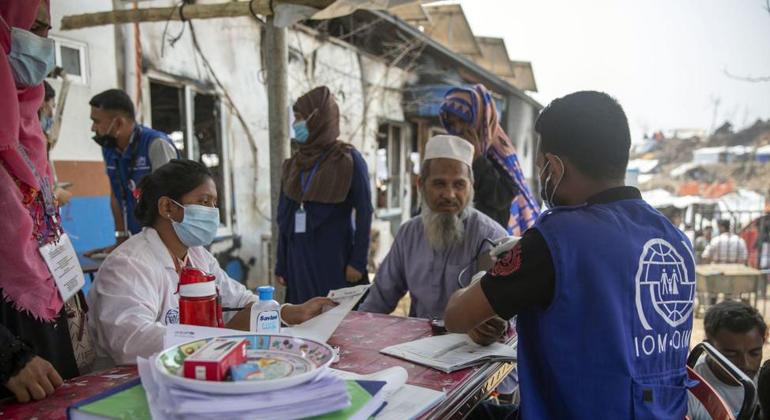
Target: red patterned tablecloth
x=359, y=339
x=362, y=335
x=73, y=390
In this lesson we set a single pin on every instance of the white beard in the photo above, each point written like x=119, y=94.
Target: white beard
x=442, y=230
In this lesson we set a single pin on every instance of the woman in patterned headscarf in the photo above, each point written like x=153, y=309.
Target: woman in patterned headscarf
x=319, y=249
x=501, y=189
x=35, y=346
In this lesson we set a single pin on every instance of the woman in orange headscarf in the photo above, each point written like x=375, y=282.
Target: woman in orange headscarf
x=500, y=186
x=319, y=248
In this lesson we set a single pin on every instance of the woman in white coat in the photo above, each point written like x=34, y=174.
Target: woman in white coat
x=134, y=297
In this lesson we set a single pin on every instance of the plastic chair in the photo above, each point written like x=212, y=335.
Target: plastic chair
x=709, y=397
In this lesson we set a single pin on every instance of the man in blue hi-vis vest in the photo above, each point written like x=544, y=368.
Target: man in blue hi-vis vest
x=603, y=284
x=130, y=152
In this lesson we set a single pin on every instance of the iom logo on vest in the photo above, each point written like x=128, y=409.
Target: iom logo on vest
x=663, y=289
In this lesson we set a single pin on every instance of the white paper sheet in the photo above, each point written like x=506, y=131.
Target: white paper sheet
x=62, y=262
x=323, y=326
x=450, y=352
x=404, y=401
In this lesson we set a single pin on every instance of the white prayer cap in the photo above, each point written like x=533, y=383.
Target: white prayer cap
x=449, y=147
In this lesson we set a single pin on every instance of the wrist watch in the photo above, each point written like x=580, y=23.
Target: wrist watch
x=119, y=234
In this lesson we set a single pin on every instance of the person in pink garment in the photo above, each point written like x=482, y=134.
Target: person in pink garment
x=35, y=347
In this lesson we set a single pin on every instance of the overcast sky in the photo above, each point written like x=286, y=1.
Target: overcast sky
x=664, y=60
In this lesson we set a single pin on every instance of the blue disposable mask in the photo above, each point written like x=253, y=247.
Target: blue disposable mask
x=46, y=123
x=31, y=57
x=300, y=132
x=199, y=225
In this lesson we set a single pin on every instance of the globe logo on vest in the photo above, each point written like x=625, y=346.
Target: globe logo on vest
x=663, y=285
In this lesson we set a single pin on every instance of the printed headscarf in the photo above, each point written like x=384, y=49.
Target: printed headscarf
x=476, y=107
x=331, y=181
x=24, y=174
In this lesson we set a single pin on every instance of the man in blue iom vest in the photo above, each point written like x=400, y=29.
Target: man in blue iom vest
x=130, y=152
x=603, y=284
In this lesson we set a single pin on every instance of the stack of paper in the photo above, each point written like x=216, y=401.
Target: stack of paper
x=450, y=352
x=402, y=401
x=327, y=393
x=366, y=399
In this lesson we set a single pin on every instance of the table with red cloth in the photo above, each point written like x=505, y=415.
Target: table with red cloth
x=359, y=339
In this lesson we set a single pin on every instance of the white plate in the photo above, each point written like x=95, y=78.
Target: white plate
x=286, y=361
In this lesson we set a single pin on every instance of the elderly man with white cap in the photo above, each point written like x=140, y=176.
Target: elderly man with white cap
x=435, y=253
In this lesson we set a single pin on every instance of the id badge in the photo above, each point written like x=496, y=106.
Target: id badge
x=63, y=264
x=300, y=221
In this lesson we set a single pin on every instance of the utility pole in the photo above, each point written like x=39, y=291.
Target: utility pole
x=278, y=119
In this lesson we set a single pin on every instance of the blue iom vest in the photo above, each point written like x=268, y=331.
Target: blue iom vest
x=613, y=343
x=126, y=169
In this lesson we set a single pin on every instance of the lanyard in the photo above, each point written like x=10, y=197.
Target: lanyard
x=305, y=182
x=46, y=193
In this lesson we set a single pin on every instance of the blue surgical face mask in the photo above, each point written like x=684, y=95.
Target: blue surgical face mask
x=31, y=57
x=46, y=123
x=199, y=226
x=300, y=131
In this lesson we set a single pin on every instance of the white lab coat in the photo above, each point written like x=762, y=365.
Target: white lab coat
x=134, y=297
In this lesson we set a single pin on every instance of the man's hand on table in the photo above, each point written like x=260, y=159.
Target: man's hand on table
x=37, y=380
x=489, y=331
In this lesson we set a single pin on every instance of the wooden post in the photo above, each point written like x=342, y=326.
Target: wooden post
x=190, y=11
x=278, y=118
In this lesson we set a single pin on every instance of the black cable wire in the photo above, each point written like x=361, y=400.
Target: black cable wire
x=474, y=259
x=165, y=30
x=184, y=19
x=227, y=96
x=181, y=11
x=180, y=7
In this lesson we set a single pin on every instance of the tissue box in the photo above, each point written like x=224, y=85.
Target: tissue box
x=212, y=361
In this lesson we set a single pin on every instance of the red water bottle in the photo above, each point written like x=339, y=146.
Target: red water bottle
x=198, y=299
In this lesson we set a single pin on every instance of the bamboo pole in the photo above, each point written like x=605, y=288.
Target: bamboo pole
x=278, y=117
x=190, y=11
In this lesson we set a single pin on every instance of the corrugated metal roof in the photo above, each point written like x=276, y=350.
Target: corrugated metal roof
x=449, y=26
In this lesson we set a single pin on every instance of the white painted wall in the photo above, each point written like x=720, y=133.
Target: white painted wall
x=232, y=46
x=75, y=139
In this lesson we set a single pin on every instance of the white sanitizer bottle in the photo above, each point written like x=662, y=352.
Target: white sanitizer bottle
x=264, y=314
